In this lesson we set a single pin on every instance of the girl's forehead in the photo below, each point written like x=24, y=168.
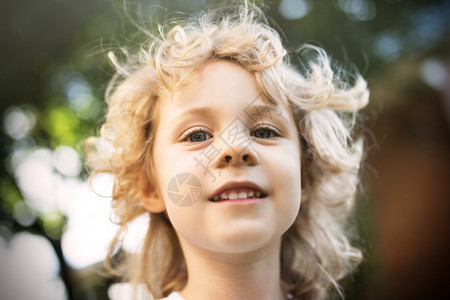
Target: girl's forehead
x=219, y=81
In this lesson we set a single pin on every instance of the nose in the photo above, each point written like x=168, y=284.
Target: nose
x=236, y=156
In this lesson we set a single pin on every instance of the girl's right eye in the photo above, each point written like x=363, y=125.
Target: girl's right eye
x=196, y=135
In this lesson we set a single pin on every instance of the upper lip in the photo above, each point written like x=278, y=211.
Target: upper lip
x=237, y=185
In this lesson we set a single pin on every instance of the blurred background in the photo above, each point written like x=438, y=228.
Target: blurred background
x=54, y=71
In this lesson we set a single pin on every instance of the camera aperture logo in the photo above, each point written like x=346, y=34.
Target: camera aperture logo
x=184, y=189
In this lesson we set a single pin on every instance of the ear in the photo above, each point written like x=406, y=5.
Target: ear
x=305, y=195
x=149, y=196
x=305, y=189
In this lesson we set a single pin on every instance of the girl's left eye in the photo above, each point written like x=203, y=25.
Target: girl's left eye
x=265, y=132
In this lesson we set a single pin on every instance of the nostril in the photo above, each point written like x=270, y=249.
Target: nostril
x=245, y=157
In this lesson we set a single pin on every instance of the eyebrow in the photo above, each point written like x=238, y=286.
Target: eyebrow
x=196, y=111
x=259, y=111
x=254, y=113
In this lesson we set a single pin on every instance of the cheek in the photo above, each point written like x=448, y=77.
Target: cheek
x=287, y=183
x=179, y=217
x=290, y=189
x=168, y=164
x=190, y=223
x=291, y=205
x=286, y=165
x=179, y=182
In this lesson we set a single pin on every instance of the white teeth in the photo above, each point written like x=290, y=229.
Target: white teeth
x=232, y=196
x=246, y=194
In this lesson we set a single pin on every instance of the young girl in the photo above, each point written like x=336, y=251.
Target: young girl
x=246, y=167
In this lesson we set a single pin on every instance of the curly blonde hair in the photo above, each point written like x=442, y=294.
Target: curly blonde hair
x=316, y=250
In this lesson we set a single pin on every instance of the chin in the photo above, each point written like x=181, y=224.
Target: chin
x=246, y=240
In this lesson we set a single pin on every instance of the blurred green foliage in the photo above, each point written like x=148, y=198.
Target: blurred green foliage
x=62, y=125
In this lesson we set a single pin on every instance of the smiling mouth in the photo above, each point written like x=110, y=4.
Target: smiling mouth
x=238, y=194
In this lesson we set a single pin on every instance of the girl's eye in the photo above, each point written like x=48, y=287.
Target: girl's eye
x=265, y=132
x=196, y=136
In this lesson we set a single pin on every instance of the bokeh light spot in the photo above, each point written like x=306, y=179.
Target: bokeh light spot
x=36, y=179
x=80, y=97
x=295, y=9
x=18, y=122
x=67, y=161
x=30, y=269
x=388, y=45
x=358, y=10
x=89, y=229
x=434, y=73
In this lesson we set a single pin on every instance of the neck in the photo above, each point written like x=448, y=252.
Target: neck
x=252, y=275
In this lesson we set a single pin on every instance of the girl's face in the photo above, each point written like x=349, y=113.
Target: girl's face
x=227, y=164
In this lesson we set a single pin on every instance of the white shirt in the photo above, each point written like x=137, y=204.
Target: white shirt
x=173, y=296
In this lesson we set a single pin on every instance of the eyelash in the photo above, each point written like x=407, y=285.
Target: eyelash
x=272, y=129
x=191, y=131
